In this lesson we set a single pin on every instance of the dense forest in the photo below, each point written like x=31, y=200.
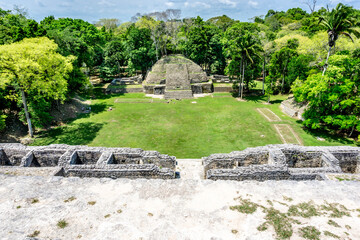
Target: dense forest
x=315, y=56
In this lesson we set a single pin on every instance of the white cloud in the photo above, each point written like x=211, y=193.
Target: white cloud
x=169, y=4
x=201, y=4
x=107, y=3
x=253, y=3
x=197, y=4
x=228, y=2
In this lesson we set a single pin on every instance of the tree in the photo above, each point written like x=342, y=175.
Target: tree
x=110, y=24
x=338, y=22
x=311, y=4
x=333, y=98
x=15, y=27
x=140, y=49
x=114, y=54
x=33, y=67
x=241, y=44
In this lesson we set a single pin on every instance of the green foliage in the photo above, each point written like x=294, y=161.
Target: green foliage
x=305, y=210
x=16, y=27
x=333, y=98
x=279, y=67
x=34, y=67
x=2, y=122
x=242, y=46
x=310, y=232
x=114, y=59
x=78, y=38
x=246, y=206
x=140, y=49
x=339, y=21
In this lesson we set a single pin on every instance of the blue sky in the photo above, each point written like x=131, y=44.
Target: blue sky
x=92, y=10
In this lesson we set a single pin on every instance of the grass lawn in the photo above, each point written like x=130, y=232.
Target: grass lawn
x=179, y=128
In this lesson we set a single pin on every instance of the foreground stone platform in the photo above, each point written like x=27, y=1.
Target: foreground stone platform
x=83, y=161
x=282, y=162
x=271, y=162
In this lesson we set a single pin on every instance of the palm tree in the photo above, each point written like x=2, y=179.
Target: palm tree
x=249, y=48
x=338, y=22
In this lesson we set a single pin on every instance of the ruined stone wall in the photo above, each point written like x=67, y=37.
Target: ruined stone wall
x=83, y=161
x=280, y=162
x=271, y=162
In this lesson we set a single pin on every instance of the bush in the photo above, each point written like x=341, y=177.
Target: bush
x=2, y=122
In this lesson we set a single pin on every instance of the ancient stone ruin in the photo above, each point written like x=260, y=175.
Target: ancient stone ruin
x=282, y=162
x=83, y=161
x=271, y=162
x=176, y=77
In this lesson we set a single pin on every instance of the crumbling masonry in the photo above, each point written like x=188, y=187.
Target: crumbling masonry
x=271, y=162
x=282, y=162
x=83, y=161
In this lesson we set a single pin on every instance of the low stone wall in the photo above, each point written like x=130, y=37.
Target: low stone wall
x=280, y=162
x=124, y=90
x=83, y=161
x=293, y=108
x=223, y=89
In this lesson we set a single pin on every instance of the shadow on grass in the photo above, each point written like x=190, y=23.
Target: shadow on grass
x=72, y=134
x=330, y=137
x=276, y=101
x=256, y=98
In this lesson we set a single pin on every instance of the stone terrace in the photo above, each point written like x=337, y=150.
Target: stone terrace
x=282, y=162
x=83, y=161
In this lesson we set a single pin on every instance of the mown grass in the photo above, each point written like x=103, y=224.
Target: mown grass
x=179, y=128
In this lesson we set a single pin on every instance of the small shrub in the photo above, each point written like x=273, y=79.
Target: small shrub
x=34, y=234
x=330, y=234
x=62, y=223
x=107, y=216
x=18, y=207
x=281, y=223
x=150, y=214
x=310, y=232
x=234, y=231
x=347, y=227
x=34, y=200
x=119, y=211
x=92, y=203
x=333, y=223
x=246, y=206
x=70, y=199
x=289, y=199
x=2, y=122
x=336, y=210
x=262, y=227
x=305, y=210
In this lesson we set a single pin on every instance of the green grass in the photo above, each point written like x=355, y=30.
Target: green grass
x=179, y=128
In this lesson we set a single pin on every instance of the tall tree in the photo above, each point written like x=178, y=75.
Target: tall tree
x=338, y=21
x=243, y=46
x=140, y=49
x=33, y=66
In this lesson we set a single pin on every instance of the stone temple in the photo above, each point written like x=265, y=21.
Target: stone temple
x=176, y=77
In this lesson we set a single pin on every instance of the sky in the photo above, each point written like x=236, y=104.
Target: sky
x=93, y=10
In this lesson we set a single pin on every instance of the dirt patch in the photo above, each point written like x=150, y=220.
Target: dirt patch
x=268, y=114
x=287, y=134
x=69, y=110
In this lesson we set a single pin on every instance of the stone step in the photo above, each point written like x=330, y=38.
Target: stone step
x=178, y=94
x=190, y=169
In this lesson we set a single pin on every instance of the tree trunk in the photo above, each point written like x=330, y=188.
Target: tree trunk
x=326, y=62
x=242, y=81
x=263, y=87
x=240, y=75
x=27, y=114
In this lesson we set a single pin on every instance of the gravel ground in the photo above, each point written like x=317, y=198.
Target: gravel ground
x=163, y=209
